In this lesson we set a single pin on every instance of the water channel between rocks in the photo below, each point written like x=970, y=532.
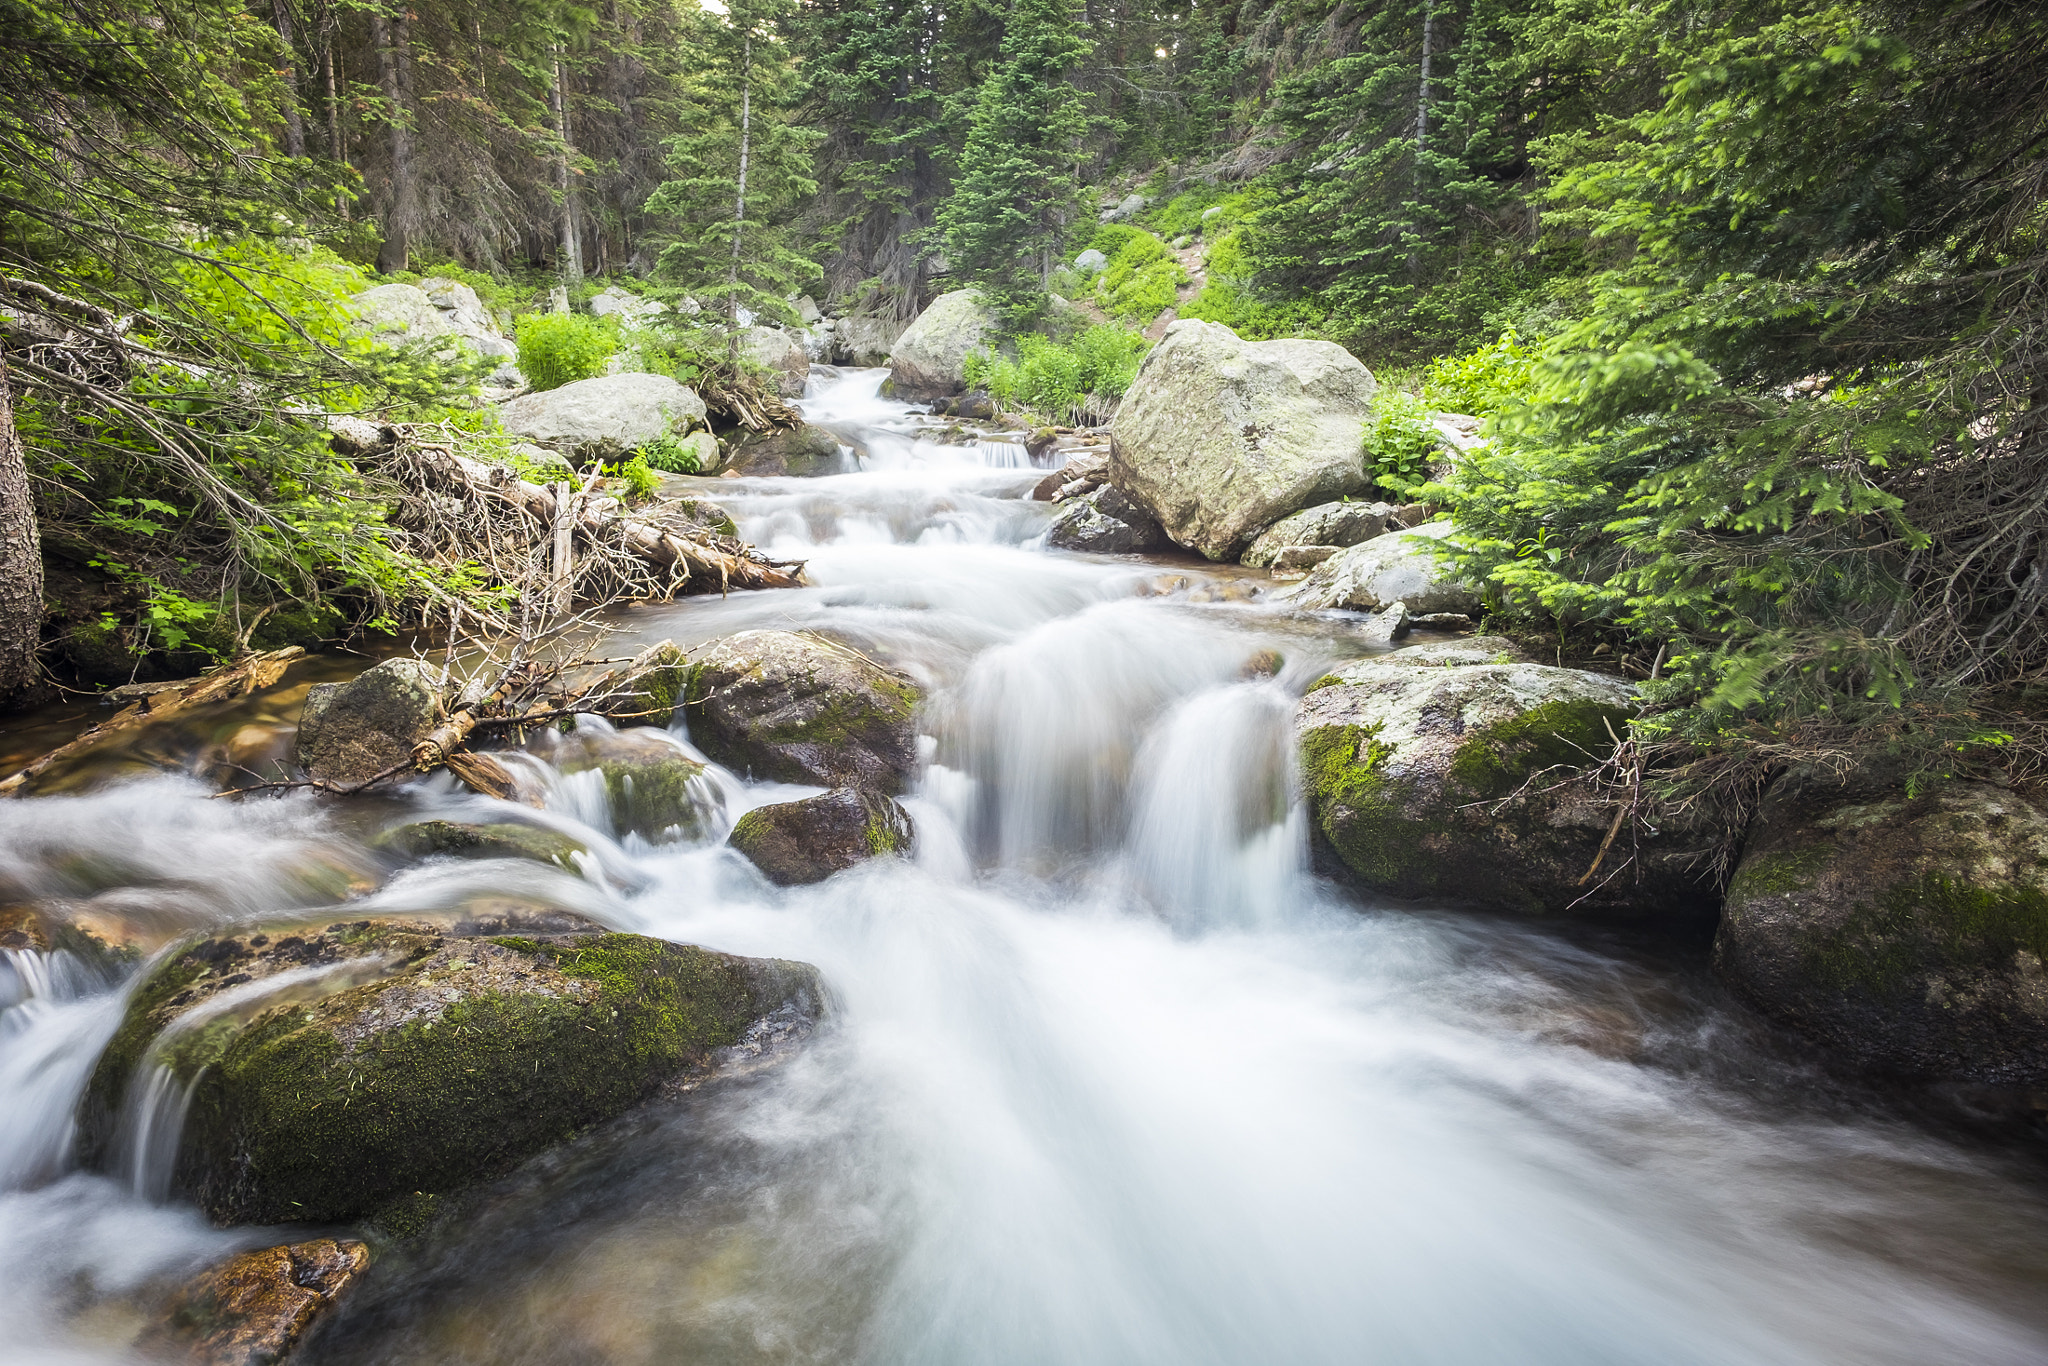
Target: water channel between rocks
x=1111, y=1077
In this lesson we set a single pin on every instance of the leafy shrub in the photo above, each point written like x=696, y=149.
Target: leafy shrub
x=1499, y=375
x=1400, y=442
x=1110, y=238
x=1184, y=212
x=561, y=348
x=1061, y=383
x=641, y=482
x=1142, y=281
x=670, y=453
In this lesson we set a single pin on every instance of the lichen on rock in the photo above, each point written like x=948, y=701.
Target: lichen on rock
x=1906, y=933
x=373, y=1059
x=812, y=838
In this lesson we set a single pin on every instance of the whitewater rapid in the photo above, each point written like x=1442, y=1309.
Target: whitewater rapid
x=1111, y=1076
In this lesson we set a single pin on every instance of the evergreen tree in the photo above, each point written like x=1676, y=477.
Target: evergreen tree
x=740, y=170
x=1017, y=197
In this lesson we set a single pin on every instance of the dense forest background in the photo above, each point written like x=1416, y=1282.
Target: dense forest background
x=1750, y=293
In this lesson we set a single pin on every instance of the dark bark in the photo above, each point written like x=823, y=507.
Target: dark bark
x=21, y=559
x=389, y=37
x=294, y=122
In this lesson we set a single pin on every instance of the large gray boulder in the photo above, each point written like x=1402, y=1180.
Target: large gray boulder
x=1219, y=437
x=1415, y=773
x=803, y=709
x=350, y=732
x=1327, y=524
x=1105, y=522
x=1386, y=570
x=930, y=359
x=775, y=350
x=629, y=308
x=799, y=451
x=627, y=410
x=863, y=342
x=808, y=840
x=436, y=308
x=1905, y=933
x=335, y=1071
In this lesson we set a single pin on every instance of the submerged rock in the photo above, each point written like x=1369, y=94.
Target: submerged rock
x=929, y=360
x=1388, y=569
x=626, y=410
x=350, y=732
x=253, y=1309
x=500, y=839
x=1219, y=437
x=1415, y=780
x=1328, y=524
x=803, y=709
x=811, y=839
x=802, y=451
x=1904, y=933
x=1105, y=522
x=333, y=1072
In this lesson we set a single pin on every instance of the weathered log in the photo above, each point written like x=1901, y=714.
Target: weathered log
x=220, y=685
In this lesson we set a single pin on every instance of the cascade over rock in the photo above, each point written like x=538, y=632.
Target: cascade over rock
x=626, y=410
x=1415, y=770
x=1219, y=437
x=803, y=709
x=338, y=1070
x=1906, y=933
x=930, y=359
x=1383, y=571
x=810, y=839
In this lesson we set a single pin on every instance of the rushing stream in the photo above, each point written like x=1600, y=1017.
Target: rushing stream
x=1111, y=1078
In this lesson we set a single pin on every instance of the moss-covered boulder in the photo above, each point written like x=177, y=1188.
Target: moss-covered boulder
x=651, y=785
x=341, y=1070
x=1418, y=775
x=804, y=709
x=811, y=839
x=501, y=839
x=648, y=691
x=1905, y=933
x=350, y=732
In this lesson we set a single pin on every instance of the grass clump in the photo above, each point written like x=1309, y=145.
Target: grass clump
x=1071, y=382
x=560, y=348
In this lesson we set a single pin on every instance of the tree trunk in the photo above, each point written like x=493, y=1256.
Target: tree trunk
x=294, y=123
x=739, y=212
x=1421, y=124
x=572, y=242
x=21, y=559
x=385, y=35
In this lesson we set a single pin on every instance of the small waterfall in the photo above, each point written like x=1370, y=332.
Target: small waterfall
x=56, y=1014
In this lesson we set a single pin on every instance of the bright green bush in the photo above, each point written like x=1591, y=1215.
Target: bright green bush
x=1068, y=383
x=561, y=348
x=641, y=482
x=1143, y=279
x=670, y=453
x=1497, y=376
x=1400, y=442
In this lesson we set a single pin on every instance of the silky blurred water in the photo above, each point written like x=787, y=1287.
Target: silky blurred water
x=1111, y=1076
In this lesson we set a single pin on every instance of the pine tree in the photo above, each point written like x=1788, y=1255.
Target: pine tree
x=1017, y=196
x=741, y=169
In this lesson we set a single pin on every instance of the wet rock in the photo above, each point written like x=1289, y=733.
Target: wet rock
x=1219, y=437
x=626, y=410
x=864, y=342
x=1338, y=524
x=803, y=450
x=650, y=689
x=1295, y=559
x=1415, y=779
x=1041, y=442
x=350, y=732
x=1905, y=933
x=106, y=944
x=1072, y=480
x=809, y=840
x=780, y=353
x=803, y=709
x=336, y=1071
x=1105, y=522
x=930, y=359
x=1387, y=569
x=652, y=787
x=254, y=1308
x=501, y=839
